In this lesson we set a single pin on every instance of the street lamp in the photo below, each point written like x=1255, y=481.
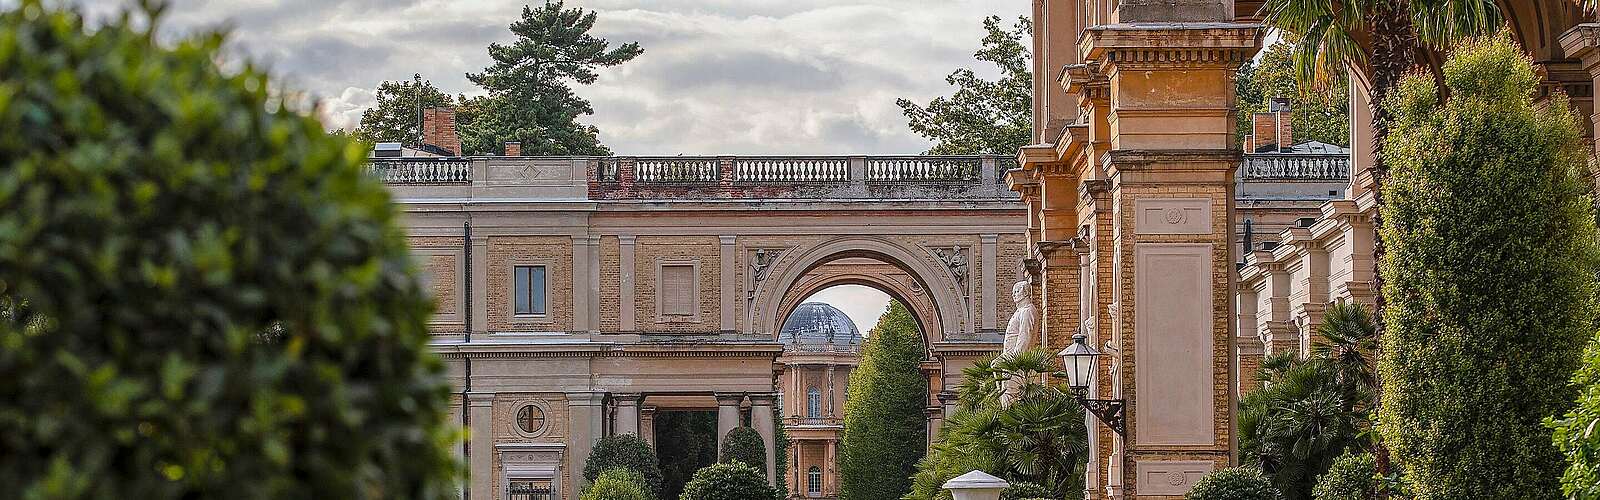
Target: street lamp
x=1080, y=360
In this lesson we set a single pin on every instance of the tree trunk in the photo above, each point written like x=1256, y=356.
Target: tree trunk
x=1394, y=41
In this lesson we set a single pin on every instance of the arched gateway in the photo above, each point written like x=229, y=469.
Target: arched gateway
x=579, y=297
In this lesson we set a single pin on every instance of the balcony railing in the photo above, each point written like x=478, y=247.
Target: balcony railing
x=923, y=168
x=791, y=169
x=1289, y=166
x=422, y=170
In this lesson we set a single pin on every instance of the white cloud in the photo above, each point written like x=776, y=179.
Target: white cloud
x=717, y=76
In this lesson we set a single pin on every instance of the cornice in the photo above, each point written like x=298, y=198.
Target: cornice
x=1170, y=45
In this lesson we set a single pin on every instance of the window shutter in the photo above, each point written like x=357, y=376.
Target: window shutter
x=677, y=290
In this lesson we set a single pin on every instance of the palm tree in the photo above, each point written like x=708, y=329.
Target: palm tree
x=1298, y=423
x=1347, y=339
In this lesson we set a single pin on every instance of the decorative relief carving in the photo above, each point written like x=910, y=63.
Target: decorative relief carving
x=1170, y=477
x=954, y=258
x=1173, y=216
x=509, y=419
x=761, y=261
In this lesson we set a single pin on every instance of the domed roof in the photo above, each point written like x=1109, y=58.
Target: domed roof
x=819, y=324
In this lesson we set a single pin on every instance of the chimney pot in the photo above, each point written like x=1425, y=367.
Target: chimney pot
x=513, y=148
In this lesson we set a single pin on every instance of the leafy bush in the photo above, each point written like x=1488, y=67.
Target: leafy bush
x=1574, y=431
x=1490, y=276
x=1352, y=477
x=1023, y=490
x=729, y=481
x=1040, y=438
x=1234, y=483
x=207, y=298
x=885, y=427
x=617, y=484
x=744, y=444
x=625, y=451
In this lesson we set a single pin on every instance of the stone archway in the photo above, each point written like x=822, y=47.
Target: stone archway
x=876, y=274
x=949, y=316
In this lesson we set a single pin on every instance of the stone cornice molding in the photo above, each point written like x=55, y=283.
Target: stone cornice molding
x=1073, y=139
x=1093, y=190
x=1170, y=46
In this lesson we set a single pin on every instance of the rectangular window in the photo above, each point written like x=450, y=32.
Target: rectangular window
x=529, y=284
x=677, y=290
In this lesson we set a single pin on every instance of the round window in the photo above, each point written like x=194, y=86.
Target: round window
x=530, y=419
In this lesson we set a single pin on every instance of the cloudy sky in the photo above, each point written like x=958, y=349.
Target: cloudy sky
x=716, y=77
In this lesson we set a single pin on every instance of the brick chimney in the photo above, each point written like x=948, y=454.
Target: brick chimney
x=439, y=129
x=1270, y=130
x=513, y=148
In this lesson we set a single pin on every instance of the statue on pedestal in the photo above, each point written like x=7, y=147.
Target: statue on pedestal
x=1019, y=335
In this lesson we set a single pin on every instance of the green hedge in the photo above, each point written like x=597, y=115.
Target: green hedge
x=1352, y=477
x=744, y=444
x=617, y=484
x=206, y=296
x=1490, y=276
x=625, y=451
x=1574, y=433
x=729, y=481
x=1234, y=483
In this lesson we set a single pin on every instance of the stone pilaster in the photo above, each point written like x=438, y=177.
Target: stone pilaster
x=480, y=447
x=627, y=420
x=1170, y=164
x=761, y=420
x=586, y=424
x=647, y=424
x=727, y=416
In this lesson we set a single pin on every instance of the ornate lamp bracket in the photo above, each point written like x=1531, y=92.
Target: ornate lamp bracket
x=1109, y=411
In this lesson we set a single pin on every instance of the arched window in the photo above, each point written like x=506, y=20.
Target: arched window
x=814, y=403
x=814, y=481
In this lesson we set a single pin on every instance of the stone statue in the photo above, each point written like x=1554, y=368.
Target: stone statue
x=1019, y=335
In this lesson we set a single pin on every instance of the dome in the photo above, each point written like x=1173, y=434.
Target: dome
x=818, y=324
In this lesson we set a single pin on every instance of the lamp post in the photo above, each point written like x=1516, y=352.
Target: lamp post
x=1080, y=361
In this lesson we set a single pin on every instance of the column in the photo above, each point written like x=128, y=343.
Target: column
x=830, y=412
x=1172, y=181
x=761, y=419
x=991, y=292
x=480, y=448
x=585, y=424
x=478, y=276
x=627, y=414
x=730, y=283
x=626, y=245
x=830, y=468
x=727, y=416
x=647, y=424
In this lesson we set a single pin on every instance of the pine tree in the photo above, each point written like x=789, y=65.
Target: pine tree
x=885, y=430
x=530, y=85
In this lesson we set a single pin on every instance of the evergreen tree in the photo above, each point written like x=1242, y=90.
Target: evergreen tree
x=530, y=95
x=686, y=441
x=884, y=427
x=395, y=117
x=1490, y=276
x=983, y=116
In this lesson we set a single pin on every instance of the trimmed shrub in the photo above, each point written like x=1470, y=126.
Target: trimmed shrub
x=625, y=451
x=206, y=296
x=744, y=444
x=885, y=429
x=617, y=484
x=1490, y=276
x=1234, y=483
x=1352, y=477
x=729, y=481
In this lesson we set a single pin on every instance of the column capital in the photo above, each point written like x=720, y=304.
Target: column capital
x=729, y=399
x=627, y=398
x=763, y=399
x=947, y=397
x=480, y=398
x=586, y=398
